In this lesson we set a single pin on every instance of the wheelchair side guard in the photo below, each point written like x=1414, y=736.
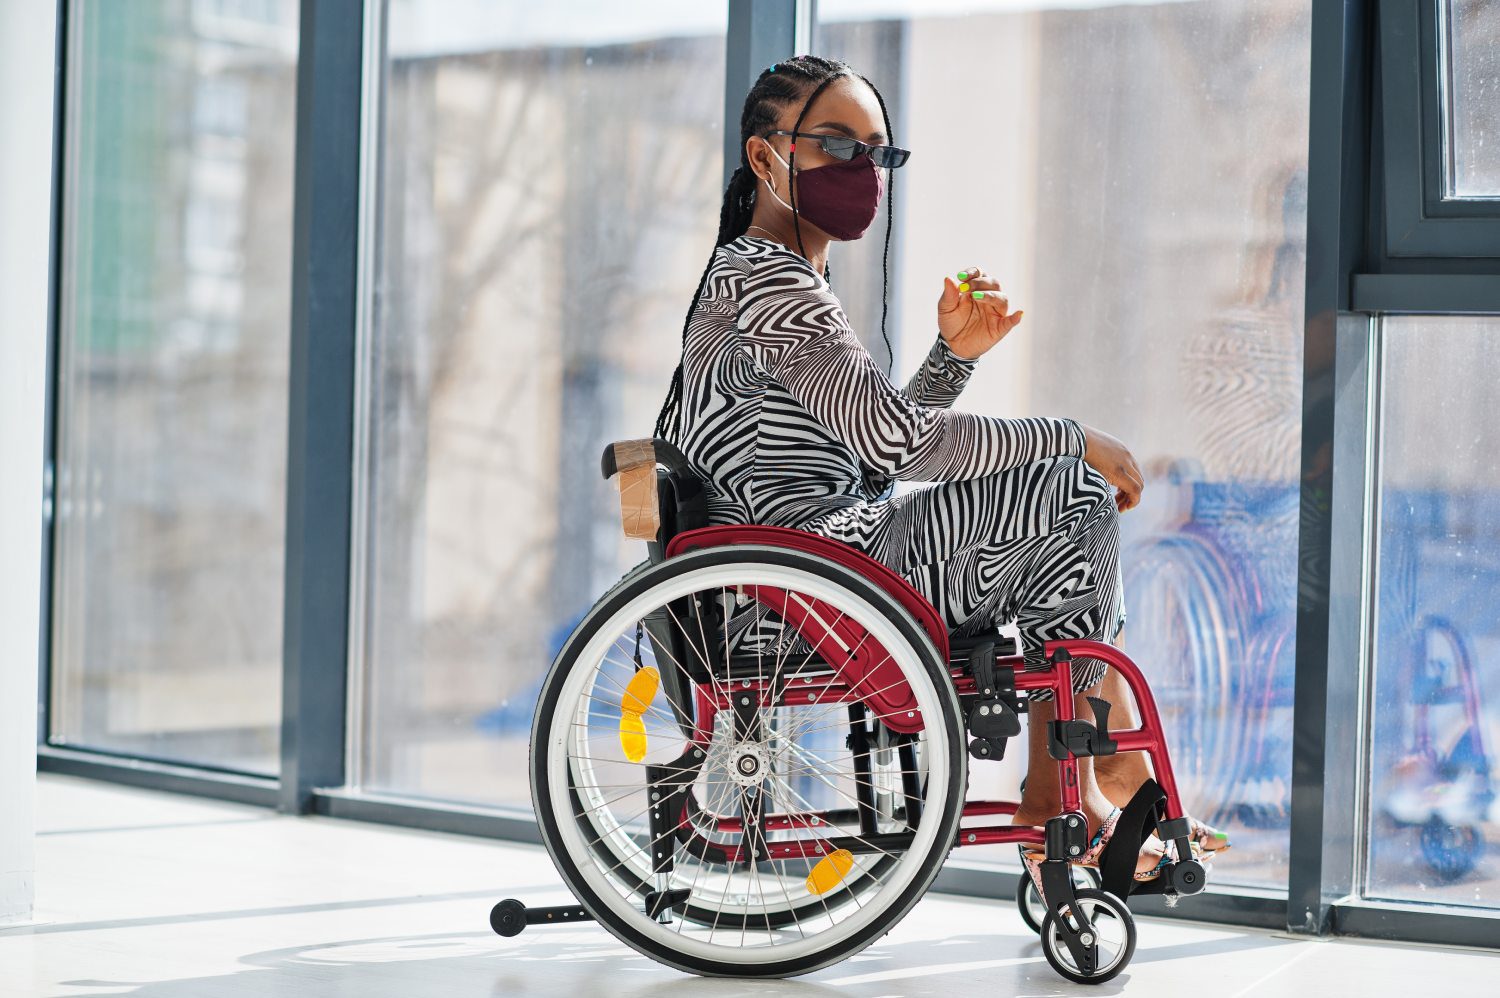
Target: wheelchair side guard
x=880, y=685
x=847, y=555
x=860, y=662
x=1146, y=812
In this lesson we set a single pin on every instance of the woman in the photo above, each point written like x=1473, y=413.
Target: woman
x=783, y=412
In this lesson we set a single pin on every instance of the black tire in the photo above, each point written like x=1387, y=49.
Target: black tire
x=1105, y=912
x=508, y=917
x=893, y=903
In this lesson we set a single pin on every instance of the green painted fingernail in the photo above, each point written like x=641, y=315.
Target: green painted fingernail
x=963, y=275
x=979, y=294
x=1221, y=835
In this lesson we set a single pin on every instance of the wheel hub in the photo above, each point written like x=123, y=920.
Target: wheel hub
x=749, y=764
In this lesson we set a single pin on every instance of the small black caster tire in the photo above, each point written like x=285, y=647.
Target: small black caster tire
x=1112, y=924
x=1189, y=877
x=508, y=917
x=1029, y=903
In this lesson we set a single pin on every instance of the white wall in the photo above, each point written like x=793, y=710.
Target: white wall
x=27, y=46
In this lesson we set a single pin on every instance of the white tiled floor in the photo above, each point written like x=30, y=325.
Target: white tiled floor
x=164, y=896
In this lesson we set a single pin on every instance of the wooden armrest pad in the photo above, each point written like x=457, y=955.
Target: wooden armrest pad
x=635, y=480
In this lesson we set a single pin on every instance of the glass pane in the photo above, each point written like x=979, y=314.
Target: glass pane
x=1471, y=105
x=173, y=380
x=552, y=182
x=1129, y=204
x=1436, y=704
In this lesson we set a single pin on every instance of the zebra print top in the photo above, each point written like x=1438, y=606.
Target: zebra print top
x=786, y=417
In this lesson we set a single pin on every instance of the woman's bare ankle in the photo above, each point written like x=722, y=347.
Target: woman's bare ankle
x=1035, y=810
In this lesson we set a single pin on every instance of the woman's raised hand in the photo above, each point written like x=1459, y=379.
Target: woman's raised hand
x=972, y=325
x=1115, y=462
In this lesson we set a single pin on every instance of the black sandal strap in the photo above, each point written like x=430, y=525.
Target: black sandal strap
x=1122, y=853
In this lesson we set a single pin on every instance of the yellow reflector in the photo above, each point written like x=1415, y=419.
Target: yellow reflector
x=633, y=736
x=830, y=871
x=641, y=690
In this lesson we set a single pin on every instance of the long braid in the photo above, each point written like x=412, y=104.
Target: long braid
x=773, y=91
x=890, y=211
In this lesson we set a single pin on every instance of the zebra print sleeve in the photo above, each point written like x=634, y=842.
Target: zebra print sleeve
x=941, y=376
x=799, y=335
x=938, y=382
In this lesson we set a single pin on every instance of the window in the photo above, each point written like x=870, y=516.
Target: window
x=1132, y=207
x=1471, y=97
x=550, y=194
x=1435, y=706
x=172, y=387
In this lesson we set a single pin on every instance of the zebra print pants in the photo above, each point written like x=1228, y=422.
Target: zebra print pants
x=1037, y=544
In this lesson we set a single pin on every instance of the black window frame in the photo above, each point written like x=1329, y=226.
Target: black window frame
x=1421, y=221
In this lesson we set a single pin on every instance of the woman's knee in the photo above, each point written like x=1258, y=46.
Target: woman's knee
x=1081, y=497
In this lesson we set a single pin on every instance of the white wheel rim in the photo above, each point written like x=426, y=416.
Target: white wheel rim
x=1112, y=932
x=792, y=942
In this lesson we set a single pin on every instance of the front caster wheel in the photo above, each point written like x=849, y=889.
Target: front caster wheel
x=1107, y=938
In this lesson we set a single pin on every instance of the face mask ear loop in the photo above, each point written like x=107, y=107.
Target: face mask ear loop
x=773, y=186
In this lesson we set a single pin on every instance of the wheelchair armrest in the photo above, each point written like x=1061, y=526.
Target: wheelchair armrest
x=642, y=511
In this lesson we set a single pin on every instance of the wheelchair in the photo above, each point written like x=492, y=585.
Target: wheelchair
x=750, y=757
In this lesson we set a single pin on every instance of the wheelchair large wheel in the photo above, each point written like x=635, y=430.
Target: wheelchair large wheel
x=804, y=826
x=887, y=769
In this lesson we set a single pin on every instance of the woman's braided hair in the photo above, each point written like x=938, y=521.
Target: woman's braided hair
x=802, y=78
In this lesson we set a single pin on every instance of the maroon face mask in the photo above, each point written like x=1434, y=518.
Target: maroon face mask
x=841, y=197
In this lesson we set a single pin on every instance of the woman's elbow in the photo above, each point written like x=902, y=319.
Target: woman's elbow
x=913, y=457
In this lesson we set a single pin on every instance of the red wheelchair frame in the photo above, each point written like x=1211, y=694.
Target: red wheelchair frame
x=892, y=701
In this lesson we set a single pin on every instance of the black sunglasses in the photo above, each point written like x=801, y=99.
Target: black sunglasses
x=843, y=147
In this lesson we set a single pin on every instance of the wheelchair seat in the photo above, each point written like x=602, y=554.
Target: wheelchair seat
x=663, y=501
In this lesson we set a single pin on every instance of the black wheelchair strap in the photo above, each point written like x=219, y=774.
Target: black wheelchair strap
x=1137, y=821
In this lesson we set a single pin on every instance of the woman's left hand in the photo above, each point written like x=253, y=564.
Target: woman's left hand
x=973, y=325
